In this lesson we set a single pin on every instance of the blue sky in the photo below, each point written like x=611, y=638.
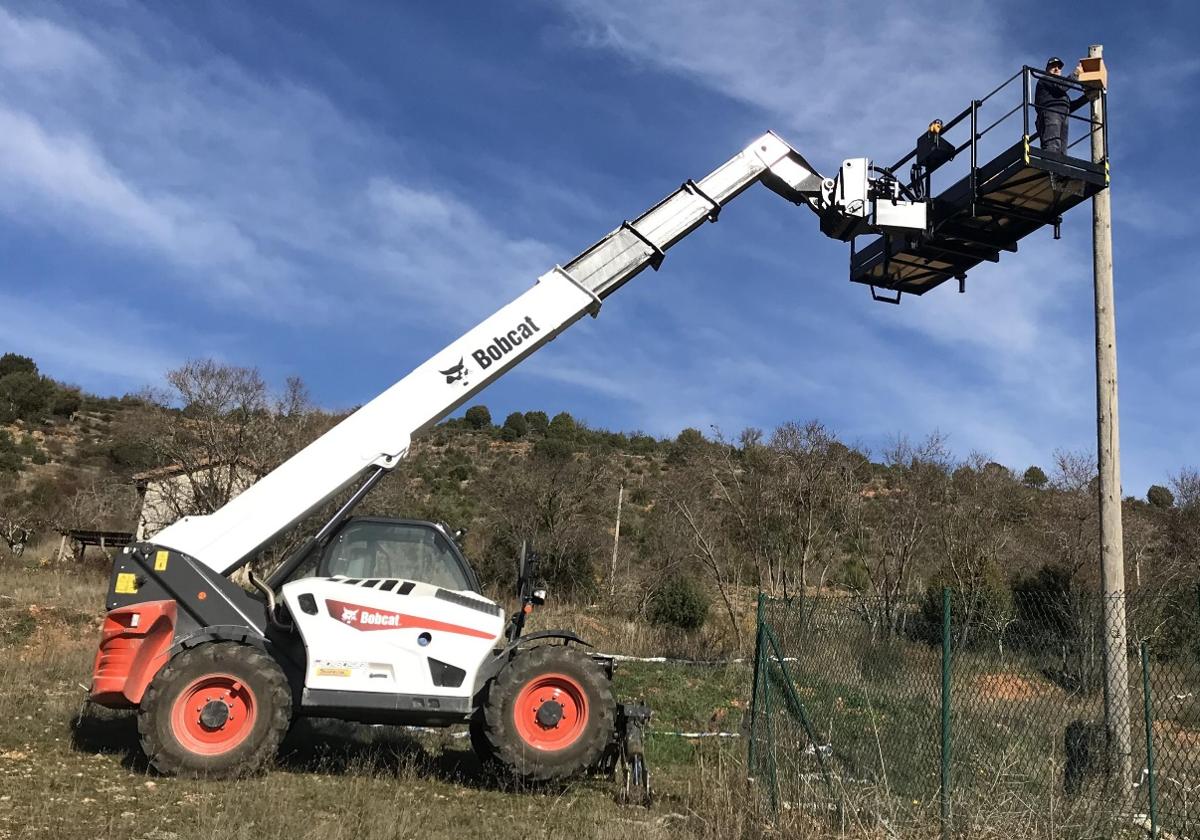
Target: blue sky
x=335, y=191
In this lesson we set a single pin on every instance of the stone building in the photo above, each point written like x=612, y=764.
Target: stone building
x=169, y=493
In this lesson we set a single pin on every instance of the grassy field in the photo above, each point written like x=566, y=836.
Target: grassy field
x=67, y=771
x=71, y=771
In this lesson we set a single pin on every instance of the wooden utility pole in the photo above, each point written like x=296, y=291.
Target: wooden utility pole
x=1112, y=543
x=612, y=577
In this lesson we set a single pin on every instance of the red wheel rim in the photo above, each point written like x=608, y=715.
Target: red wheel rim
x=221, y=729
x=544, y=732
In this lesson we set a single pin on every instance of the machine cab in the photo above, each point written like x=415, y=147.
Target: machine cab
x=391, y=609
x=367, y=548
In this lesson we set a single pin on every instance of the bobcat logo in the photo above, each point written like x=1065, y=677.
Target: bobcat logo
x=455, y=372
x=366, y=619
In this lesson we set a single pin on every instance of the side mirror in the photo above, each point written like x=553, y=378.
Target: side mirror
x=539, y=596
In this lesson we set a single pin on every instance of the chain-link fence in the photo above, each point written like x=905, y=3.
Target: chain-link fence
x=974, y=713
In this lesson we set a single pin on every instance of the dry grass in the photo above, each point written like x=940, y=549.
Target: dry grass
x=633, y=637
x=69, y=775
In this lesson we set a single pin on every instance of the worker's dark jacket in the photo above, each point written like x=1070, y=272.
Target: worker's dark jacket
x=1052, y=96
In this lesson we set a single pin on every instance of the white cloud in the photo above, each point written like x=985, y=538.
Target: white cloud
x=41, y=46
x=246, y=190
x=844, y=79
x=67, y=172
x=447, y=252
x=73, y=339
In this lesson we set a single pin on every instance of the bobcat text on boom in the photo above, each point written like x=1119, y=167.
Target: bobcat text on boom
x=503, y=345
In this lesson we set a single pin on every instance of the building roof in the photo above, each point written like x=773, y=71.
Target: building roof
x=172, y=470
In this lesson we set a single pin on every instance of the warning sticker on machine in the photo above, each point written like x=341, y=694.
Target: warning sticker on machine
x=160, y=561
x=323, y=671
x=126, y=584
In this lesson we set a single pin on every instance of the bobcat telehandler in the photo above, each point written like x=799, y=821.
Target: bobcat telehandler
x=382, y=620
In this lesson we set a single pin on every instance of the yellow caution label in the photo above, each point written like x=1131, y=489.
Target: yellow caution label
x=160, y=561
x=333, y=672
x=126, y=583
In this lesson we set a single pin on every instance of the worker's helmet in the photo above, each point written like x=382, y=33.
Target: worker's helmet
x=1054, y=61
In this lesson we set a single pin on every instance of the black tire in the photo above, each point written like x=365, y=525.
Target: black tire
x=257, y=702
x=587, y=733
x=479, y=742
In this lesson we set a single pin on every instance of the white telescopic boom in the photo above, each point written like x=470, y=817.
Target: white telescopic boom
x=379, y=433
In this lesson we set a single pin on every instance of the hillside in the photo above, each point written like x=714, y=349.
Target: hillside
x=702, y=521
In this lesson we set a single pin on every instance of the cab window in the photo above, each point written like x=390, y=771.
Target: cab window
x=395, y=550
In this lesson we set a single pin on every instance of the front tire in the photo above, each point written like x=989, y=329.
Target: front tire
x=477, y=730
x=549, y=714
x=218, y=710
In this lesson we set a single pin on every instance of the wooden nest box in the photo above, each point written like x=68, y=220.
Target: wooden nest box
x=1093, y=72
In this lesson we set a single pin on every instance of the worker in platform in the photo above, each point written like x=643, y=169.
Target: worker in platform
x=1052, y=100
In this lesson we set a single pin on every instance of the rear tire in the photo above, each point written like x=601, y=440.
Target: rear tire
x=548, y=714
x=217, y=711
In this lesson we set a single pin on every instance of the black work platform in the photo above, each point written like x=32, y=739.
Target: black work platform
x=986, y=212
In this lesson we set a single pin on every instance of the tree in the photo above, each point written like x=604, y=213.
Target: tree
x=515, y=426
x=563, y=427
x=818, y=484
x=687, y=444
x=292, y=422
x=552, y=449
x=537, y=421
x=1144, y=532
x=65, y=402
x=27, y=447
x=972, y=529
x=1034, y=477
x=24, y=396
x=678, y=602
x=1187, y=487
x=478, y=417
x=642, y=444
x=220, y=429
x=706, y=547
x=11, y=459
x=12, y=363
x=96, y=502
x=1065, y=520
x=551, y=504
x=1160, y=497
x=918, y=481
x=15, y=534
x=1184, y=526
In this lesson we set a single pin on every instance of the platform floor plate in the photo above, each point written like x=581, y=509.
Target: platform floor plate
x=1014, y=196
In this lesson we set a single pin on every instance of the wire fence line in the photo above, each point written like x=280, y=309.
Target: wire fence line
x=975, y=710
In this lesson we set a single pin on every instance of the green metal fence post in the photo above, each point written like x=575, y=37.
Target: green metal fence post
x=752, y=752
x=945, y=792
x=1150, y=780
x=769, y=724
x=792, y=699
